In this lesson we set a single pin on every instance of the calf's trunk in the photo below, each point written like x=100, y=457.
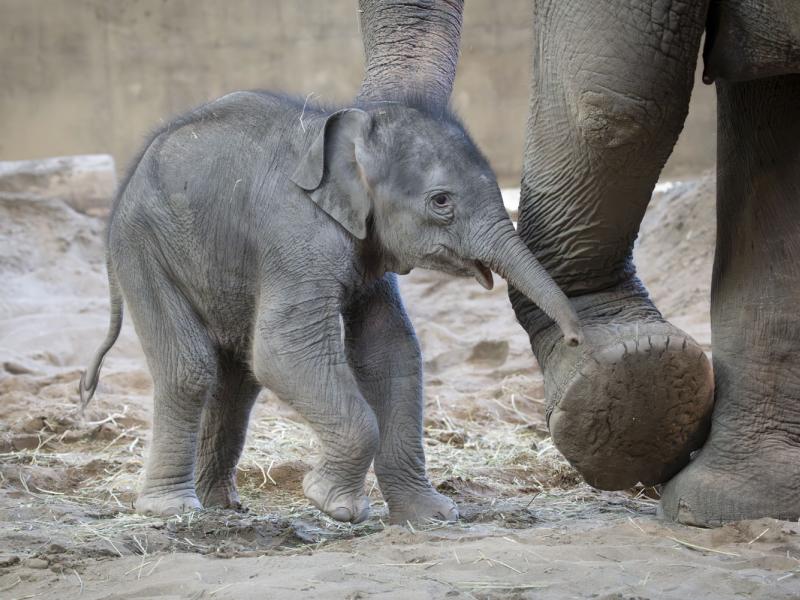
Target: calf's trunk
x=507, y=255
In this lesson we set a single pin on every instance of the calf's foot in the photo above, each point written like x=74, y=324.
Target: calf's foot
x=339, y=500
x=420, y=507
x=219, y=494
x=167, y=503
x=631, y=403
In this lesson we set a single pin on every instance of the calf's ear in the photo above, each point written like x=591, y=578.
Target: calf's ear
x=332, y=173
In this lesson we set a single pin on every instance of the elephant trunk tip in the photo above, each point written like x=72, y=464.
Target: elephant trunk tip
x=573, y=338
x=510, y=258
x=567, y=320
x=569, y=324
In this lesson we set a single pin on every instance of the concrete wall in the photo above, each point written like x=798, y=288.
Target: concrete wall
x=89, y=76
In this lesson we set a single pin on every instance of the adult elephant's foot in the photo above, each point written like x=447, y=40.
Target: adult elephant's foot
x=420, y=507
x=167, y=502
x=631, y=403
x=727, y=483
x=335, y=498
x=750, y=466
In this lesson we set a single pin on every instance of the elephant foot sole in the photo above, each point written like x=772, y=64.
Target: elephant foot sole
x=631, y=404
x=713, y=490
x=166, y=503
x=421, y=507
x=334, y=499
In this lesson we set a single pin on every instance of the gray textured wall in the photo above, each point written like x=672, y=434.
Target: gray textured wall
x=84, y=76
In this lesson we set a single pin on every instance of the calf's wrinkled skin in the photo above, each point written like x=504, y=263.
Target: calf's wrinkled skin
x=610, y=88
x=255, y=244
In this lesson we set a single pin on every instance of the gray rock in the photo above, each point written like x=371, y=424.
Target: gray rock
x=7, y=560
x=25, y=441
x=55, y=548
x=36, y=563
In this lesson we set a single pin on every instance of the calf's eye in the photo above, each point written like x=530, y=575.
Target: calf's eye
x=440, y=200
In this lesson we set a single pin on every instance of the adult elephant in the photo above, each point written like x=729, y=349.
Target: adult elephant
x=610, y=92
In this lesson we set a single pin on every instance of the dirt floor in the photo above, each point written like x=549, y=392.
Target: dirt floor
x=530, y=527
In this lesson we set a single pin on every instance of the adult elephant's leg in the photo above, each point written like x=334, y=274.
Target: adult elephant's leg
x=410, y=47
x=385, y=356
x=750, y=466
x=610, y=91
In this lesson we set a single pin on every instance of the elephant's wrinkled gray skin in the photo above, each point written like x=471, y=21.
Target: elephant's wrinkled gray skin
x=610, y=91
x=255, y=243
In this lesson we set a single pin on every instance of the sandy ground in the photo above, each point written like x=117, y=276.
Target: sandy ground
x=530, y=528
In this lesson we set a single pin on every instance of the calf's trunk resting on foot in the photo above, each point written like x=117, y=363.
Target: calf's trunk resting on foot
x=631, y=403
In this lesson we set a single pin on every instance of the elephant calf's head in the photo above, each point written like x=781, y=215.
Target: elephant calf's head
x=412, y=181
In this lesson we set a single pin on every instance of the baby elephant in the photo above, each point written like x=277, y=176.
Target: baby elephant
x=255, y=242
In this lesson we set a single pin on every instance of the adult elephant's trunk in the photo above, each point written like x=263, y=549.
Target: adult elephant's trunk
x=410, y=46
x=506, y=254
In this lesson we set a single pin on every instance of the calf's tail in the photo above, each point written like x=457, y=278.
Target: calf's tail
x=91, y=375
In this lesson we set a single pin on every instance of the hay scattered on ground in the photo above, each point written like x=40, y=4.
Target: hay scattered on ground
x=496, y=460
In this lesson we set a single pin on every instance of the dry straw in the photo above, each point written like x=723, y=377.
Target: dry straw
x=498, y=467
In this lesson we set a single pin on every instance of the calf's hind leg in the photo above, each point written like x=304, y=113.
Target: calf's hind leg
x=223, y=429
x=183, y=365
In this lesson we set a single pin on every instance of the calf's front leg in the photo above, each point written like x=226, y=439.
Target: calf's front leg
x=298, y=353
x=385, y=356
